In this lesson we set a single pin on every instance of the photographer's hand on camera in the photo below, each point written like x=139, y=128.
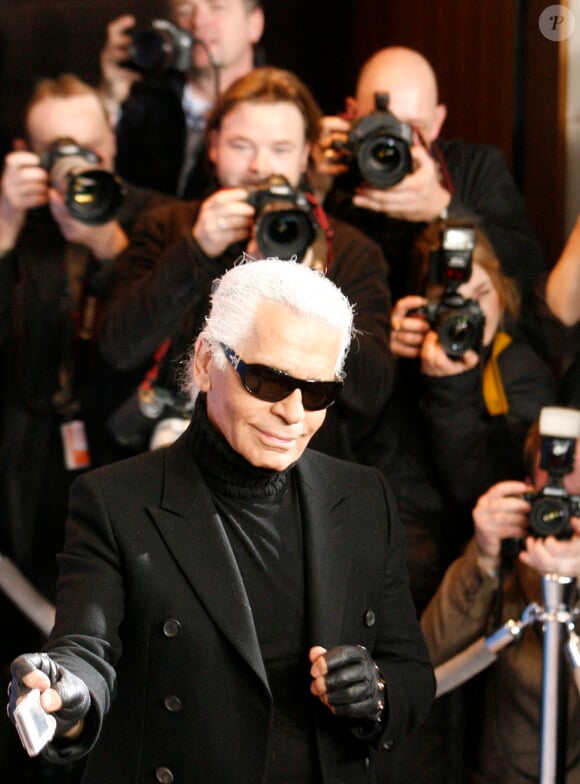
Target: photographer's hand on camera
x=408, y=331
x=418, y=197
x=327, y=160
x=24, y=186
x=225, y=217
x=63, y=694
x=435, y=362
x=116, y=80
x=105, y=241
x=500, y=513
x=554, y=556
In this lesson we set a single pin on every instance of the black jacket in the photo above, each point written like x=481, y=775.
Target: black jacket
x=40, y=344
x=153, y=616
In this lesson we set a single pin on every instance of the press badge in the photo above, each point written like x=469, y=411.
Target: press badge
x=75, y=445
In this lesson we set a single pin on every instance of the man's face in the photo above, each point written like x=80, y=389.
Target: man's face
x=270, y=435
x=257, y=140
x=79, y=117
x=225, y=27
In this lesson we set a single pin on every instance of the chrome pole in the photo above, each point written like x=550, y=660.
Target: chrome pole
x=558, y=591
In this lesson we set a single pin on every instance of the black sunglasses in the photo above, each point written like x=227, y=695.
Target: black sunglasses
x=272, y=385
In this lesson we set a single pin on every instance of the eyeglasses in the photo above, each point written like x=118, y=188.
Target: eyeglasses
x=272, y=385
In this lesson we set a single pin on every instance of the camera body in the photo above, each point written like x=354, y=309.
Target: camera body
x=133, y=423
x=91, y=193
x=553, y=506
x=379, y=146
x=285, y=222
x=458, y=322
x=161, y=46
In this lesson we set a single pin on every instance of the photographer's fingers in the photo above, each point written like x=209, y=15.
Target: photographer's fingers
x=117, y=79
x=327, y=154
x=435, y=362
x=501, y=513
x=116, y=47
x=225, y=217
x=552, y=555
x=407, y=331
x=24, y=182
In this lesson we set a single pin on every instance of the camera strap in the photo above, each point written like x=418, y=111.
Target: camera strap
x=151, y=376
x=446, y=180
x=494, y=394
x=328, y=232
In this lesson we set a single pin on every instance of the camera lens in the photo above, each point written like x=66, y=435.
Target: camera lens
x=284, y=233
x=550, y=517
x=384, y=160
x=457, y=334
x=93, y=196
x=148, y=50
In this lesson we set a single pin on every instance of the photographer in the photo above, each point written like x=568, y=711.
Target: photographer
x=445, y=178
x=64, y=217
x=160, y=110
x=455, y=424
x=466, y=607
x=263, y=125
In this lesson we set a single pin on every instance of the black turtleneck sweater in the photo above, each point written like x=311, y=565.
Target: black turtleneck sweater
x=260, y=511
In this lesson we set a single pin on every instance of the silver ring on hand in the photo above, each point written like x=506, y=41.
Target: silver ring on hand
x=222, y=223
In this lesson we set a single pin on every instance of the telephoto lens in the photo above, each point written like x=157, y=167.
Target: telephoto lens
x=91, y=193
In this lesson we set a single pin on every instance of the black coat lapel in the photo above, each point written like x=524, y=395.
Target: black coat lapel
x=327, y=514
x=189, y=524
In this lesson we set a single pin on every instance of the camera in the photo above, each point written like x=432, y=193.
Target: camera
x=91, y=193
x=285, y=223
x=35, y=727
x=161, y=46
x=459, y=322
x=553, y=506
x=379, y=146
x=133, y=423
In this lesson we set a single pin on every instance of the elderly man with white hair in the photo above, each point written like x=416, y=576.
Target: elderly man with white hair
x=226, y=612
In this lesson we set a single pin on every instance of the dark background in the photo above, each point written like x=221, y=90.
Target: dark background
x=502, y=81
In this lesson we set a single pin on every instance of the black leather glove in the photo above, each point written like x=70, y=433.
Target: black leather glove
x=355, y=687
x=73, y=692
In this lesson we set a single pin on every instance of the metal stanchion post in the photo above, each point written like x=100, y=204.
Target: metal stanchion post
x=558, y=592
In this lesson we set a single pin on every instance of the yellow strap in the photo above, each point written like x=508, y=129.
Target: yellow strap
x=493, y=389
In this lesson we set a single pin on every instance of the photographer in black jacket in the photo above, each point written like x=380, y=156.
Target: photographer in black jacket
x=445, y=178
x=160, y=105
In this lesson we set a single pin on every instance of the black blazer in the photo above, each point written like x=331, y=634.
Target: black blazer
x=153, y=615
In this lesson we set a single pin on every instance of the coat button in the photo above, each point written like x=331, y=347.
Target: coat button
x=164, y=776
x=367, y=763
x=171, y=627
x=369, y=618
x=172, y=703
x=387, y=745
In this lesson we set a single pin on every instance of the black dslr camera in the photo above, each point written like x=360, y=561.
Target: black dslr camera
x=285, y=222
x=133, y=423
x=459, y=322
x=553, y=506
x=92, y=194
x=379, y=146
x=161, y=46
